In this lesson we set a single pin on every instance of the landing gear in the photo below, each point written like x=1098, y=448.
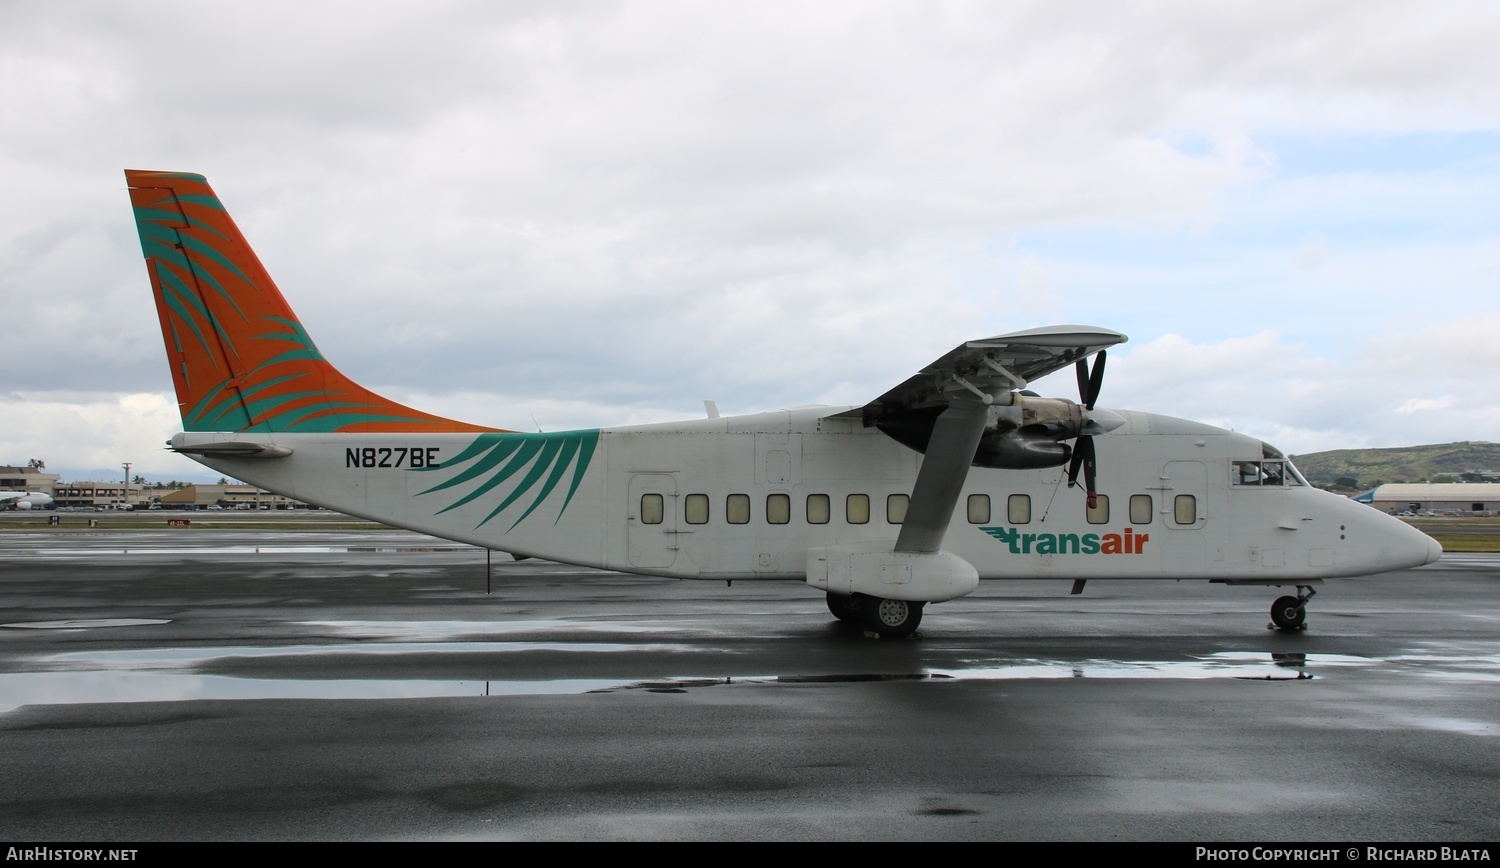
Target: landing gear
x=1290, y=613
x=893, y=618
x=1287, y=613
x=847, y=607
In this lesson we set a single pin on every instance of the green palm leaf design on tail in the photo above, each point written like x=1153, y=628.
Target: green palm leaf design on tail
x=495, y=459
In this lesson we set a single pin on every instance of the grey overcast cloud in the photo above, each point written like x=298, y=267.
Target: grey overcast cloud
x=585, y=214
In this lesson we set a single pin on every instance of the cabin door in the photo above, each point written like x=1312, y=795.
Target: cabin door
x=1184, y=512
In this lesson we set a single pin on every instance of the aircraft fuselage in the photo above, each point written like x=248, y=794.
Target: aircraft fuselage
x=748, y=497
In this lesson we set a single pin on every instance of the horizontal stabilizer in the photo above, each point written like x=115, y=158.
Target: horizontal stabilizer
x=230, y=449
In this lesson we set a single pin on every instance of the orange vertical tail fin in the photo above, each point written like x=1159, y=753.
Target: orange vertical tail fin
x=241, y=361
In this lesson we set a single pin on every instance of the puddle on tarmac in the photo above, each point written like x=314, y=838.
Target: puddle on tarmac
x=448, y=629
x=177, y=674
x=231, y=550
x=86, y=623
x=67, y=688
x=170, y=674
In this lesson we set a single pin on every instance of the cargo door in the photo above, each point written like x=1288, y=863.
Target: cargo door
x=652, y=524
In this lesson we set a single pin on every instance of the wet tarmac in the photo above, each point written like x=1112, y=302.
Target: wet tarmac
x=336, y=685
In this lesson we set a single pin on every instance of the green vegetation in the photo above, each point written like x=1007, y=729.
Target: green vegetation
x=1466, y=543
x=1358, y=469
x=1463, y=533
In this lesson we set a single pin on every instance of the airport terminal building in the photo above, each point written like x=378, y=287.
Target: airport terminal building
x=113, y=495
x=27, y=479
x=236, y=496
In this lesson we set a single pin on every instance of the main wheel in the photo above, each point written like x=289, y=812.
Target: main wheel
x=1287, y=613
x=895, y=618
x=847, y=607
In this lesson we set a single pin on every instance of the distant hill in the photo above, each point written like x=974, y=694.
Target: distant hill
x=1371, y=467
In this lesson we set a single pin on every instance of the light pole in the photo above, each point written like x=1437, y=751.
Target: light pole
x=126, y=465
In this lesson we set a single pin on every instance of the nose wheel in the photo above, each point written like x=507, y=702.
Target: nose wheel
x=1290, y=613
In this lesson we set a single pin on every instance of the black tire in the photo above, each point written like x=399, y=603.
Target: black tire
x=894, y=618
x=1287, y=613
x=847, y=607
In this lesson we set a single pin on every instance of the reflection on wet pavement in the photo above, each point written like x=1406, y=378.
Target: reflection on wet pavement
x=174, y=674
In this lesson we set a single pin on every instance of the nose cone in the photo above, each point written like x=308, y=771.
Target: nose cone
x=1385, y=542
x=1434, y=551
x=1412, y=547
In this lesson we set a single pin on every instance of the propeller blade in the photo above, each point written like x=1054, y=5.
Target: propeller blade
x=1083, y=458
x=1089, y=480
x=1096, y=379
x=1089, y=383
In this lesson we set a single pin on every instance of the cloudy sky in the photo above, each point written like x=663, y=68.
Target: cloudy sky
x=597, y=213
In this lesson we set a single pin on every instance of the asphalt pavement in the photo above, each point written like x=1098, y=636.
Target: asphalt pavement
x=232, y=684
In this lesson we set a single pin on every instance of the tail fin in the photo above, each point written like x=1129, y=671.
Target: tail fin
x=240, y=359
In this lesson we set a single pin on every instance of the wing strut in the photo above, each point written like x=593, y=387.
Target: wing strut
x=955, y=437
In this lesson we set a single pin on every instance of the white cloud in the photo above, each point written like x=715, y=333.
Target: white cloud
x=1422, y=405
x=88, y=433
x=1401, y=388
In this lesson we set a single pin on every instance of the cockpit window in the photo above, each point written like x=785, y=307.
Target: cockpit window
x=1272, y=473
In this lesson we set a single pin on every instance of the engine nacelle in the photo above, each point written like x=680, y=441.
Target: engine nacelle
x=1023, y=434
x=1019, y=450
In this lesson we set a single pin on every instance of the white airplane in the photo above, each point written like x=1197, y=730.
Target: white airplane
x=24, y=499
x=858, y=502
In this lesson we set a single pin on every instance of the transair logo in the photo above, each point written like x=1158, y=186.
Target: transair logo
x=1128, y=543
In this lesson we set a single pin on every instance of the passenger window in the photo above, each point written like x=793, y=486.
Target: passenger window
x=1140, y=509
x=818, y=509
x=737, y=509
x=1018, y=509
x=895, y=508
x=652, y=509
x=1185, y=509
x=1099, y=512
x=979, y=509
x=695, y=509
x=778, y=508
x=857, y=509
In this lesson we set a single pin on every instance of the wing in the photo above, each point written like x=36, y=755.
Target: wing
x=993, y=366
x=955, y=392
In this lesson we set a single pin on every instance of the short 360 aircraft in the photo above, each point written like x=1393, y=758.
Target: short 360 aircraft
x=859, y=502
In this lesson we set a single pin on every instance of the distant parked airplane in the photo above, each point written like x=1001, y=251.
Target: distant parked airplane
x=24, y=499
